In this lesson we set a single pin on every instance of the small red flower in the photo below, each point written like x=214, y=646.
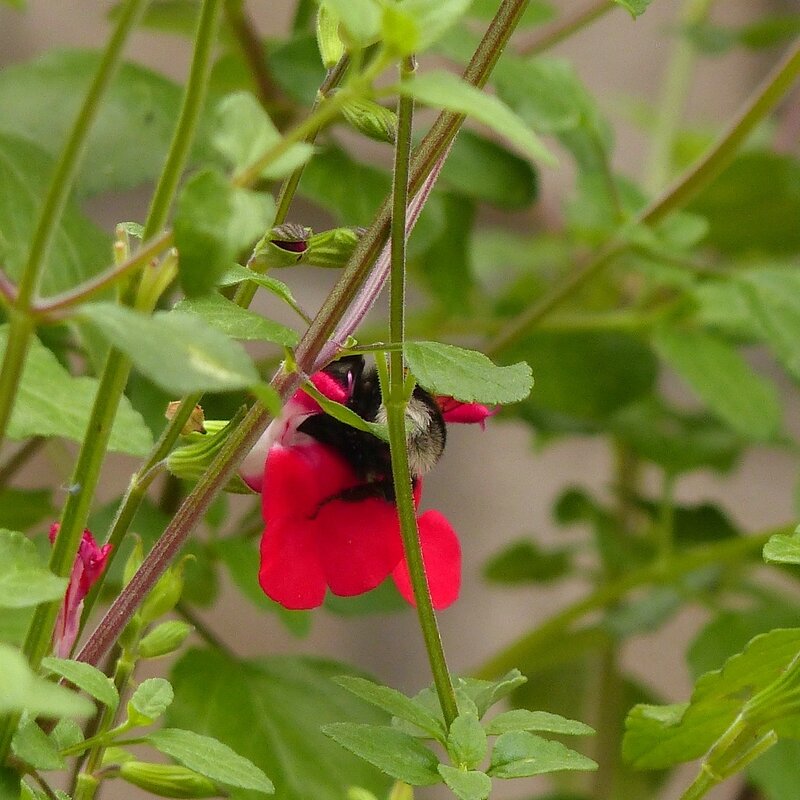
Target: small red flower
x=455, y=411
x=88, y=567
x=321, y=534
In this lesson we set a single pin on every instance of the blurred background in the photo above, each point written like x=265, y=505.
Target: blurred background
x=496, y=485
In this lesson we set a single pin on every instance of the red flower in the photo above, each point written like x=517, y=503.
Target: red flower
x=321, y=533
x=88, y=567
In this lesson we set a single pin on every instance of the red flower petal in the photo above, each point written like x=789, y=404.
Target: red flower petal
x=359, y=543
x=456, y=411
x=291, y=573
x=441, y=554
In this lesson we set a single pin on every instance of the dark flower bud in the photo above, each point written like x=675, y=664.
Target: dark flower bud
x=283, y=246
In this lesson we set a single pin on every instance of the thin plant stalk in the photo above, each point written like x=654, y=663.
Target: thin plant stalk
x=396, y=413
x=21, y=327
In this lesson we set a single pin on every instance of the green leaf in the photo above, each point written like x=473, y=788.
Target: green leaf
x=237, y=274
x=570, y=389
x=519, y=754
x=24, y=690
x=754, y=205
x=635, y=7
x=521, y=719
x=432, y=18
x=231, y=319
x=722, y=379
x=466, y=784
x=270, y=711
x=211, y=758
x=783, y=548
x=445, y=266
x=446, y=90
x=484, y=694
x=34, y=747
x=361, y=18
x=675, y=440
x=214, y=221
x=660, y=736
x=177, y=351
x=394, y=703
x=50, y=402
x=466, y=741
x=79, y=250
x=25, y=580
x=483, y=170
x=85, y=677
x=466, y=374
x=40, y=99
x=550, y=97
x=244, y=132
x=150, y=700
x=525, y=562
x=775, y=307
x=399, y=755
x=21, y=509
x=729, y=632
x=66, y=733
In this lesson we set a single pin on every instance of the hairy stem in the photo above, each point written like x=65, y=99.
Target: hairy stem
x=396, y=413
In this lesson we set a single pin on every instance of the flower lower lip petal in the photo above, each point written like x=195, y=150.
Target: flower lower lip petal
x=359, y=544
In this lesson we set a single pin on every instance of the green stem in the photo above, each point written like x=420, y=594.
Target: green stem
x=69, y=161
x=247, y=289
x=673, y=97
x=118, y=272
x=55, y=201
x=675, y=197
x=606, y=745
x=193, y=100
x=137, y=488
x=85, y=789
x=20, y=331
x=723, y=554
x=665, y=525
x=76, y=510
x=396, y=412
x=240, y=24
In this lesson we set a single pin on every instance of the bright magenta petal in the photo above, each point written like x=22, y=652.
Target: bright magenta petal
x=441, y=554
x=359, y=543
